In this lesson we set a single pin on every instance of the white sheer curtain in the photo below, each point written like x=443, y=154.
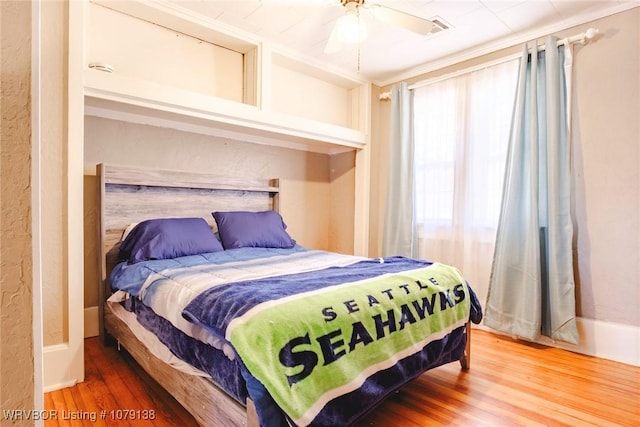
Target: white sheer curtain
x=461, y=128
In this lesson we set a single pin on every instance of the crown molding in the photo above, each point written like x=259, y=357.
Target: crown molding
x=504, y=43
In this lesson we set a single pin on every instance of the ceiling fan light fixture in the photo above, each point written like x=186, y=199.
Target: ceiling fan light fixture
x=350, y=28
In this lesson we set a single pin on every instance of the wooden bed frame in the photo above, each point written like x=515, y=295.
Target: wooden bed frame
x=129, y=195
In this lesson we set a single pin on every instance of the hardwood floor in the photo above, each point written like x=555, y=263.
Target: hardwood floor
x=510, y=383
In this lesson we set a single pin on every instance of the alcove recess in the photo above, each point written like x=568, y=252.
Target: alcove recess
x=174, y=69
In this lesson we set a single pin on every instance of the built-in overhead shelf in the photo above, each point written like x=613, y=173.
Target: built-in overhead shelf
x=172, y=70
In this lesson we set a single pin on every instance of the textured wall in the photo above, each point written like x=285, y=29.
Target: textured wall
x=307, y=187
x=16, y=282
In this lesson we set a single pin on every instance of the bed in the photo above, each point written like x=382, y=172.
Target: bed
x=245, y=327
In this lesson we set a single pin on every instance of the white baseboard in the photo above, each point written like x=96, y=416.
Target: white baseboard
x=91, y=322
x=607, y=340
x=54, y=356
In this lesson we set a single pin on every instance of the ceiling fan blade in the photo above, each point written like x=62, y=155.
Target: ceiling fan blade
x=333, y=43
x=405, y=20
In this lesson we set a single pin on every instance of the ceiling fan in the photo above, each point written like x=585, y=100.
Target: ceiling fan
x=351, y=28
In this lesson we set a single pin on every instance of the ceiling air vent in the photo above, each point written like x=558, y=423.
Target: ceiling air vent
x=439, y=25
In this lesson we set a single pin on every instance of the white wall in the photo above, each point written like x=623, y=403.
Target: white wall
x=54, y=151
x=307, y=96
x=149, y=52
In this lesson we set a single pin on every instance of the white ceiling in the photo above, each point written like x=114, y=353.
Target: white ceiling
x=389, y=53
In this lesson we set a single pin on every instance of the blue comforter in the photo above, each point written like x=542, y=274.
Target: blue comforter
x=212, y=309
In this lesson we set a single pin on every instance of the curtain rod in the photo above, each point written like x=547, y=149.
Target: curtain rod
x=582, y=38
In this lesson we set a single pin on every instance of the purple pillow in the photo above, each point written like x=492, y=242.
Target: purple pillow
x=241, y=229
x=166, y=238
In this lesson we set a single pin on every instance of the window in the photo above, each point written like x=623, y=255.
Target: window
x=461, y=131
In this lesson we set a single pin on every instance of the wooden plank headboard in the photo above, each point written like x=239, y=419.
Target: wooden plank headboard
x=130, y=194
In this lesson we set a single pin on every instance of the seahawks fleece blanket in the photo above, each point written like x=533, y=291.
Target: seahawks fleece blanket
x=312, y=338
